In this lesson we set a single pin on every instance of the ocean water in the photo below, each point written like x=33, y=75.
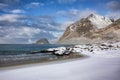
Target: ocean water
x=17, y=49
x=19, y=53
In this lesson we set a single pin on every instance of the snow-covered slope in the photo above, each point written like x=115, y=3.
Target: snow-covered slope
x=99, y=21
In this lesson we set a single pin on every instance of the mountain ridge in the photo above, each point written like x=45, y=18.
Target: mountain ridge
x=94, y=28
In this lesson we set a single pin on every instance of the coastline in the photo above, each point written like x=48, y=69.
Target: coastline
x=45, y=61
x=12, y=67
x=91, y=68
x=90, y=62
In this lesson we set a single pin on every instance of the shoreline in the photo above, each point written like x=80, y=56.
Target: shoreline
x=45, y=62
x=91, y=68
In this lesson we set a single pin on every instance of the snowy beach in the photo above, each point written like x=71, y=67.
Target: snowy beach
x=94, y=68
x=101, y=65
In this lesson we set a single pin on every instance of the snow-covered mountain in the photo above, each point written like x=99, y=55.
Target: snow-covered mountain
x=94, y=28
x=99, y=21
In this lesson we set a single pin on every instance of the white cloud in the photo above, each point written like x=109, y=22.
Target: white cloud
x=65, y=24
x=30, y=32
x=34, y=5
x=70, y=12
x=66, y=1
x=22, y=32
x=61, y=12
x=10, y=17
x=17, y=11
x=76, y=14
x=30, y=40
x=18, y=31
x=56, y=34
x=86, y=13
x=114, y=15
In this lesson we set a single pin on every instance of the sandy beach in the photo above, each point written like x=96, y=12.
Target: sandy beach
x=92, y=68
x=100, y=64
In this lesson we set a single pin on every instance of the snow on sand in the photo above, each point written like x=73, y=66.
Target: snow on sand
x=93, y=68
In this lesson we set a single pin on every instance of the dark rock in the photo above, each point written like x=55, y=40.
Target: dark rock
x=42, y=41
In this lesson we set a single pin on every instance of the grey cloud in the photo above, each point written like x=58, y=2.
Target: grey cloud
x=3, y=7
x=114, y=5
x=23, y=34
x=46, y=23
x=28, y=28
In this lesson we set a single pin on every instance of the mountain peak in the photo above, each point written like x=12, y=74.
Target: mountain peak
x=99, y=21
x=92, y=15
x=94, y=28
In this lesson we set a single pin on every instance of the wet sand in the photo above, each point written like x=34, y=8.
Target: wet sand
x=60, y=59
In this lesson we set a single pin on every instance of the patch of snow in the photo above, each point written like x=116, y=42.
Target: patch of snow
x=116, y=44
x=71, y=28
x=100, y=21
x=101, y=50
x=60, y=50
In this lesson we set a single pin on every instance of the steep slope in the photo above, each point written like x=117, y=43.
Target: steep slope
x=92, y=29
x=78, y=29
x=111, y=32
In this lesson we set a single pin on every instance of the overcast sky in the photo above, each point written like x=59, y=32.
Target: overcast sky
x=26, y=21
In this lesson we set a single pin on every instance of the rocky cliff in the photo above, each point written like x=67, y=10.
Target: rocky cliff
x=93, y=29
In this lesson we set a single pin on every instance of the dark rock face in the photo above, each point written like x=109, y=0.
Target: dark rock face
x=79, y=28
x=42, y=41
x=84, y=31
